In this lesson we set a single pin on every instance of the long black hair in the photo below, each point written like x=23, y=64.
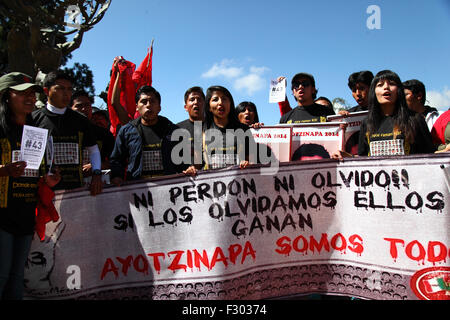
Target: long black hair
x=7, y=116
x=233, y=121
x=243, y=105
x=404, y=119
x=5, y=113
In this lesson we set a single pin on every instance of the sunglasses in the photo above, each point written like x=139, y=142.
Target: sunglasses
x=304, y=84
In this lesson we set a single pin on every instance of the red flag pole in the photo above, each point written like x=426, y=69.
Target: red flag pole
x=151, y=53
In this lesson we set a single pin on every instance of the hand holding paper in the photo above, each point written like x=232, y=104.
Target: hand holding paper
x=33, y=145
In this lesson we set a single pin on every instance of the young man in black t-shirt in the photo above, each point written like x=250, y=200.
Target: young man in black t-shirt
x=359, y=84
x=194, y=104
x=143, y=146
x=71, y=132
x=307, y=111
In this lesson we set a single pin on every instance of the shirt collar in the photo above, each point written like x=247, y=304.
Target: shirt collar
x=55, y=109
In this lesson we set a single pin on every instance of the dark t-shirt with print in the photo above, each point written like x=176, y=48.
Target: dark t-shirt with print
x=18, y=196
x=307, y=114
x=384, y=141
x=152, y=136
x=189, y=125
x=71, y=133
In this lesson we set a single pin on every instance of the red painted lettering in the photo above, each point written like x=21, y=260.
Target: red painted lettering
x=155, y=257
x=175, y=265
x=234, y=250
x=343, y=242
x=410, y=249
x=313, y=244
x=441, y=256
x=393, y=246
x=109, y=266
x=248, y=251
x=140, y=264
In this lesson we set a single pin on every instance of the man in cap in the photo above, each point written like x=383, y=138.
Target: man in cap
x=307, y=111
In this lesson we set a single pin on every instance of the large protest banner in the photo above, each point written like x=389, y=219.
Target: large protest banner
x=365, y=227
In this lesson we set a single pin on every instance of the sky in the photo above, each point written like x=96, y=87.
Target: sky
x=243, y=44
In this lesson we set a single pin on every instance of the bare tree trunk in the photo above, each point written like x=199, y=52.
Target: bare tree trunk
x=20, y=56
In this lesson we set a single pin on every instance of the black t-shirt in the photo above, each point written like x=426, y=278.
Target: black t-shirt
x=105, y=141
x=71, y=133
x=152, y=137
x=307, y=114
x=228, y=148
x=357, y=108
x=384, y=141
x=189, y=126
x=18, y=196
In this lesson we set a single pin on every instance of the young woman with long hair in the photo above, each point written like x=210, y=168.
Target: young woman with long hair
x=19, y=187
x=390, y=127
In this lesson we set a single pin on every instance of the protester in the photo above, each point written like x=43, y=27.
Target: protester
x=194, y=104
x=415, y=94
x=307, y=111
x=143, y=146
x=359, y=84
x=391, y=128
x=19, y=196
x=441, y=132
x=121, y=94
x=325, y=102
x=100, y=118
x=248, y=114
x=82, y=102
x=221, y=121
x=71, y=132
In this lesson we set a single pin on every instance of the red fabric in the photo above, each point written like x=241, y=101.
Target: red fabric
x=438, y=130
x=143, y=74
x=127, y=93
x=45, y=210
x=285, y=107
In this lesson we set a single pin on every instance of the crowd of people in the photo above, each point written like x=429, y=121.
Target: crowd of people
x=143, y=144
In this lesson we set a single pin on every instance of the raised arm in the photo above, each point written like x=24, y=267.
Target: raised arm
x=122, y=114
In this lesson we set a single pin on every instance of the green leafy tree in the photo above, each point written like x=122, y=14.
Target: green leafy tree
x=40, y=35
x=83, y=78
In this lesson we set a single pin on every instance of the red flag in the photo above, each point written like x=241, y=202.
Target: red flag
x=127, y=92
x=143, y=74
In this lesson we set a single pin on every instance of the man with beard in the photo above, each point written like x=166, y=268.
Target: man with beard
x=143, y=146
